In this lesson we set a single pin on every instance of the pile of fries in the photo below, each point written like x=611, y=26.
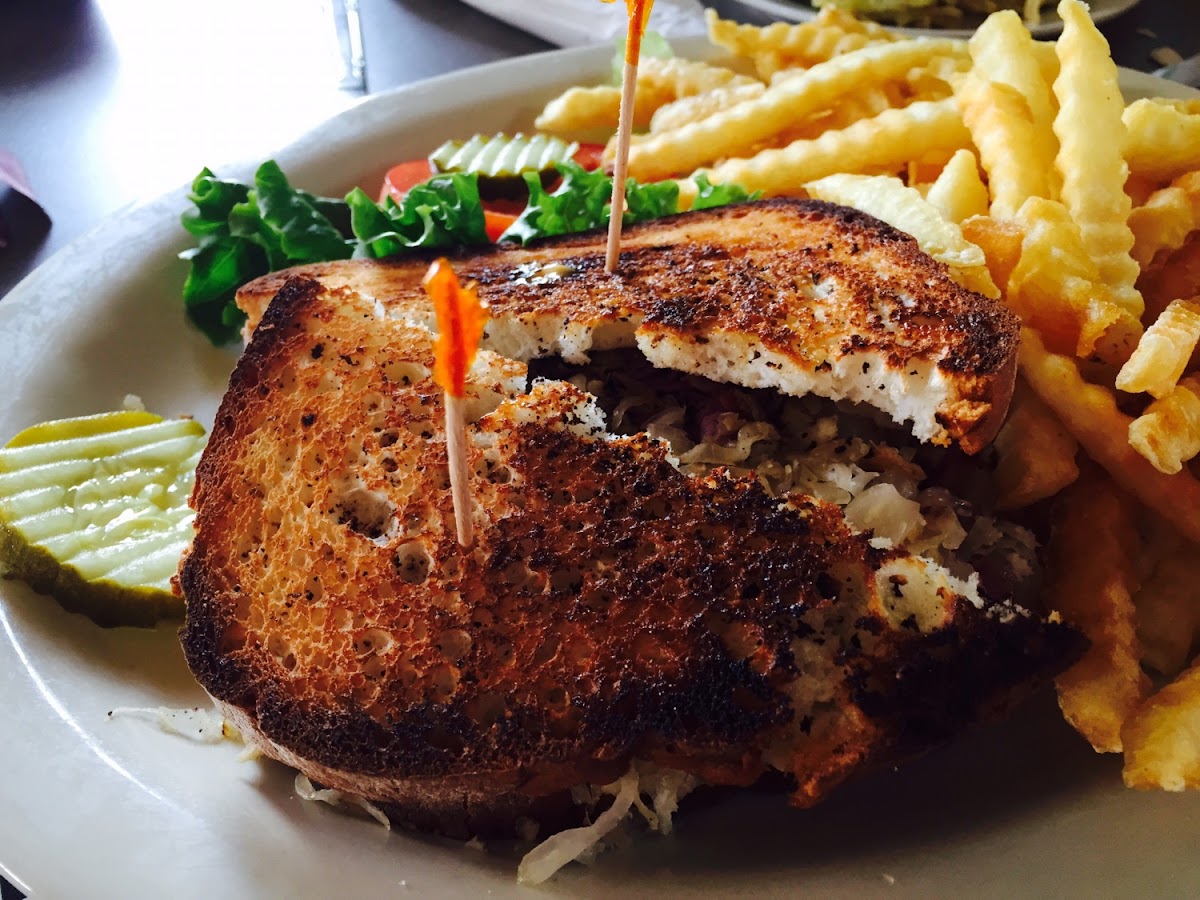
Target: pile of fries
x=1018, y=164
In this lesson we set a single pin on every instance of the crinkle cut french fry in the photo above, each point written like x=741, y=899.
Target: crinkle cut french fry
x=771, y=64
x=931, y=82
x=923, y=173
x=1171, y=276
x=1003, y=49
x=1168, y=610
x=1166, y=218
x=999, y=239
x=685, y=110
x=1056, y=287
x=998, y=119
x=685, y=77
x=1168, y=432
x=847, y=21
x=1090, y=134
x=660, y=81
x=784, y=105
x=958, y=192
x=580, y=109
x=1090, y=413
x=1091, y=582
x=1047, y=60
x=1035, y=453
x=1139, y=188
x=1164, y=350
x=1162, y=740
x=1184, y=106
x=832, y=33
x=887, y=198
x=886, y=142
x=824, y=46
x=864, y=104
x=1161, y=141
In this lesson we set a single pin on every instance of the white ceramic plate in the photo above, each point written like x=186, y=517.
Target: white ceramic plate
x=1050, y=25
x=114, y=808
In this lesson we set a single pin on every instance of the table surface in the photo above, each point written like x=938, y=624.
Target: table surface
x=106, y=102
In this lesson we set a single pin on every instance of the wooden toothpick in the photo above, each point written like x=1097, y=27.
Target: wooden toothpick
x=460, y=485
x=638, y=12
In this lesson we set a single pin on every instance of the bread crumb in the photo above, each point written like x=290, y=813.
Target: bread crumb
x=890, y=879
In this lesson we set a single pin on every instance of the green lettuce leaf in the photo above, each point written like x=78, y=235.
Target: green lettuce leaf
x=243, y=232
x=583, y=201
x=445, y=211
x=290, y=225
x=220, y=261
x=709, y=195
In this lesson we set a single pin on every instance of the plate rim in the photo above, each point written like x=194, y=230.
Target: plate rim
x=24, y=296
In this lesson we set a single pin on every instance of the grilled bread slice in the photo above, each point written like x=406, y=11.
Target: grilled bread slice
x=611, y=610
x=799, y=296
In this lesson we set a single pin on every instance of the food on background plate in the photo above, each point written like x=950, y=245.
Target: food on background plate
x=933, y=13
x=94, y=511
x=714, y=584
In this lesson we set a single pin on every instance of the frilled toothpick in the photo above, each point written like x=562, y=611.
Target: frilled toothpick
x=460, y=318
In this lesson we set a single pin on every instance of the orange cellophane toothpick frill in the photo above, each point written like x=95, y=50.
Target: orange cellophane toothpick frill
x=461, y=318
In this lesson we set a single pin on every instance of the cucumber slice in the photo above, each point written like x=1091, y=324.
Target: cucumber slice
x=93, y=511
x=501, y=156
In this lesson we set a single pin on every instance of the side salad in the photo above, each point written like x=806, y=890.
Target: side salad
x=243, y=230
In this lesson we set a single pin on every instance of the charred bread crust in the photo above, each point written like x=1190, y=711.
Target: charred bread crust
x=612, y=608
x=807, y=285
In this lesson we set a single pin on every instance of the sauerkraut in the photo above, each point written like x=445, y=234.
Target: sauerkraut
x=931, y=501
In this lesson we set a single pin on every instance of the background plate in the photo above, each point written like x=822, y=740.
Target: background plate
x=1051, y=24
x=114, y=808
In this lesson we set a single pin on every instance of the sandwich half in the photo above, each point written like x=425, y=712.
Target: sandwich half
x=700, y=546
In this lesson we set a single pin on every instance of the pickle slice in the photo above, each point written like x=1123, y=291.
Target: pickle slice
x=93, y=511
x=501, y=156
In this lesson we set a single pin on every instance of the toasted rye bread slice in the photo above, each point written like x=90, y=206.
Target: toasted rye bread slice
x=612, y=609
x=796, y=295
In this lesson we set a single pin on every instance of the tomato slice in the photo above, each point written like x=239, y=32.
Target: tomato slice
x=401, y=178
x=498, y=215
x=590, y=156
x=496, y=223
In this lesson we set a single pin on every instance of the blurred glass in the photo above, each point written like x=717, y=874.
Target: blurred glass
x=348, y=25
